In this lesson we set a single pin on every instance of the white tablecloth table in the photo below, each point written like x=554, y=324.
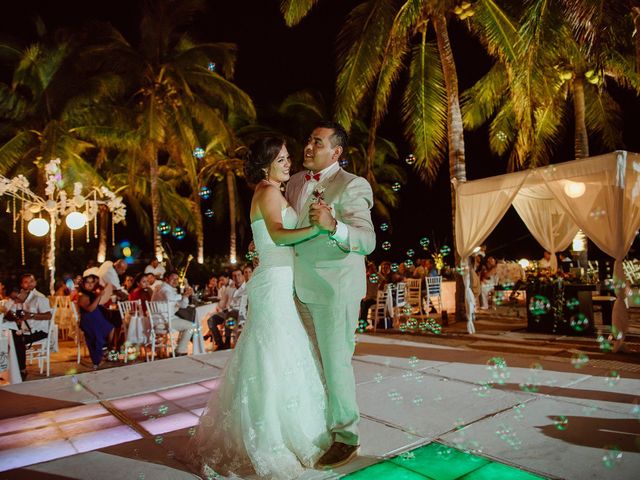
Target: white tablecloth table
x=8, y=357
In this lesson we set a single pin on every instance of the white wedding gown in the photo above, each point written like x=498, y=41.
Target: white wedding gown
x=269, y=413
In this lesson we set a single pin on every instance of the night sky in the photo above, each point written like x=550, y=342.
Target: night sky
x=274, y=61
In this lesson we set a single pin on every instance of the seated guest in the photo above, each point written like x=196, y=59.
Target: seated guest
x=223, y=283
x=488, y=281
x=141, y=290
x=156, y=268
x=129, y=283
x=109, y=273
x=371, y=295
x=3, y=292
x=233, y=304
x=430, y=268
x=384, y=272
x=62, y=290
x=566, y=262
x=211, y=289
x=97, y=329
x=168, y=292
x=31, y=310
x=545, y=262
x=420, y=271
x=152, y=281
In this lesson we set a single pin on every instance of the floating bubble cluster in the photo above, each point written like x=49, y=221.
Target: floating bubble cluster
x=612, y=378
x=560, y=422
x=506, y=433
x=539, y=305
x=362, y=326
x=211, y=67
x=179, y=233
x=395, y=396
x=164, y=228
x=205, y=192
x=579, y=322
x=579, y=360
x=604, y=344
x=199, y=152
x=497, y=367
x=612, y=457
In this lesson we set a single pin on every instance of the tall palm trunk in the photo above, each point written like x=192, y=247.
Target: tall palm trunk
x=455, y=136
x=197, y=217
x=151, y=154
x=103, y=218
x=231, y=191
x=635, y=12
x=581, y=139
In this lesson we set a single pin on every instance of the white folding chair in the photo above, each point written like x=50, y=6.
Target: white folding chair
x=379, y=310
x=160, y=332
x=41, y=350
x=413, y=293
x=434, y=290
x=65, y=318
x=129, y=309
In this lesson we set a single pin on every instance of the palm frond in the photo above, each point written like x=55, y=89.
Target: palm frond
x=424, y=108
x=481, y=101
x=603, y=117
x=496, y=30
x=294, y=11
x=360, y=46
x=14, y=150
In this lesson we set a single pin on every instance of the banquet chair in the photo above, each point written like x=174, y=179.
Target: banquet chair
x=379, y=310
x=129, y=309
x=65, y=318
x=434, y=290
x=161, y=332
x=413, y=293
x=41, y=350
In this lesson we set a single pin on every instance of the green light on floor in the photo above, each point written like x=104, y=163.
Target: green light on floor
x=386, y=470
x=436, y=461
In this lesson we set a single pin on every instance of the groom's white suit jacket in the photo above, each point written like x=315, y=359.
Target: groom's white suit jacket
x=325, y=271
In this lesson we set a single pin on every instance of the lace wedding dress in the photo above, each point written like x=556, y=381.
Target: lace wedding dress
x=269, y=413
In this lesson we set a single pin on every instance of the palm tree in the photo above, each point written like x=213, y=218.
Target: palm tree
x=526, y=94
x=175, y=87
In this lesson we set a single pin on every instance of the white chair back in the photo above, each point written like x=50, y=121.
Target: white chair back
x=160, y=314
x=41, y=350
x=413, y=293
x=380, y=309
x=434, y=288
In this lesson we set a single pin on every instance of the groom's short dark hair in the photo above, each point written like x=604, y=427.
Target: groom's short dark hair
x=339, y=136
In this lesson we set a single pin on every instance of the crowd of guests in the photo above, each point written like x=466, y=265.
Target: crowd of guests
x=96, y=293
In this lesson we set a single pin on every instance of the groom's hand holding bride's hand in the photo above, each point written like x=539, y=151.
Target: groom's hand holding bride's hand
x=320, y=215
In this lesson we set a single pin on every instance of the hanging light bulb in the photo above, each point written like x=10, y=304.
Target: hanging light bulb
x=574, y=189
x=75, y=220
x=38, y=227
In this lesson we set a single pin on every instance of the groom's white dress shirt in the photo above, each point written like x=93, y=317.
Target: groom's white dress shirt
x=342, y=232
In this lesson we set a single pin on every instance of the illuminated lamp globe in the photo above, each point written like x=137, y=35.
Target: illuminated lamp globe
x=574, y=189
x=38, y=227
x=524, y=263
x=75, y=220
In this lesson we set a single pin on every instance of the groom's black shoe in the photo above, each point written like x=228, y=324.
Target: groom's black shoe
x=338, y=454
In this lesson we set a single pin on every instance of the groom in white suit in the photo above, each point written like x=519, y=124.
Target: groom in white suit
x=330, y=275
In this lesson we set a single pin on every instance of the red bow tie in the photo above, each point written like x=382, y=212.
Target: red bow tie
x=309, y=176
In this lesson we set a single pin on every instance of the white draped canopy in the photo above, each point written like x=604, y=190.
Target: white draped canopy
x=600, y=195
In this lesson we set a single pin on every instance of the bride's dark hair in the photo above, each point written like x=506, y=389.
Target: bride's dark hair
x=261, y=153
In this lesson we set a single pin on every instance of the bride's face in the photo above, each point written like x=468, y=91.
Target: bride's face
x=279, y=168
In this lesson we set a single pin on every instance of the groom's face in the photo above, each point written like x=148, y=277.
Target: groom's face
x=319, y=152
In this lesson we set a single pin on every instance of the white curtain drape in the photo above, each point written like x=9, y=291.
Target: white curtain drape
x=479, y=208
x=547, y=221
x=602, y=195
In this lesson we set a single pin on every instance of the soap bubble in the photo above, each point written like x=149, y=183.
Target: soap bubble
x=560, y=422
x=209, y=213
x=407, y=309
x=445, y=250
x=192, y=431
x=573, y=303
x=395, y=396
x=163, y=409
x=579, y=322
x=377, y=378
x=396, y=187
x=497, y=366
x=411, y=159
x=410, y=252
x=408, y=263
x=373, y=278
x=384, y=226
x=164, y=228
x=579, y=360
x=159, y=439
x=539, y=305
x=604, y=344
x=612, y=457
x=424, y=242
x=394, y=267
x=386, y=245
x=413, y=361
x=612, y=378
x=205, y=192
x=199, y=152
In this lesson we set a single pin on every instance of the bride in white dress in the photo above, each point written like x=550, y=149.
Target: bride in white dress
x=268, y=415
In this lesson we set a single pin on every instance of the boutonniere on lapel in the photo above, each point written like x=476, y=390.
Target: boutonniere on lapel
x=318, y=193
